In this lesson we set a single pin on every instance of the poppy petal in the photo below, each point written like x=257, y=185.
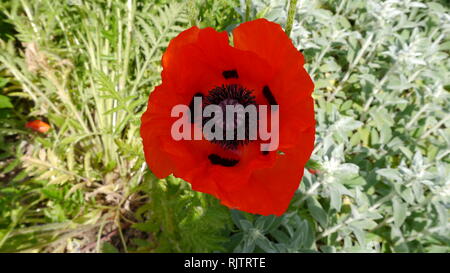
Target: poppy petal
x=291, y=85
x=191, y=61
x=270, y=190
x=278, y=50
x=155, y=129
x=291, y=82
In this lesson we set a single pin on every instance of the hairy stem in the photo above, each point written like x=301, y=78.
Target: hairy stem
x=192, y=12
x=291, y=15
x=248, y=5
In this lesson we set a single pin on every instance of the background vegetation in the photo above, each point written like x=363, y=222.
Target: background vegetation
x=380, y=179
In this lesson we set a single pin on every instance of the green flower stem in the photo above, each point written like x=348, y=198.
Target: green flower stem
x=192, y=12
x=291, y=15
x=248, y=5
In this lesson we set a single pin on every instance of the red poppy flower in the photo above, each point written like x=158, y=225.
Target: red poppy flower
x=263, y=68
x=38, y=126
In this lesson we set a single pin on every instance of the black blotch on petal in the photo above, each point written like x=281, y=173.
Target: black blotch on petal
x=228, y=74
x=191, y=106
x=218, y=160
x=269, y=96
x=265, y=152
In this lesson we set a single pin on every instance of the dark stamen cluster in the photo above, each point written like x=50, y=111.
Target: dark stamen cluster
x=231, y=94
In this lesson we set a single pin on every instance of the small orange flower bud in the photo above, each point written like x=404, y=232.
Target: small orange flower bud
x=38, y=126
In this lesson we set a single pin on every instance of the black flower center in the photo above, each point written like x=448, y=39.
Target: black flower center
x=231, y=95
x=225, y=98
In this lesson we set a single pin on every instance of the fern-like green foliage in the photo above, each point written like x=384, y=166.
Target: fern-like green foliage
x=88, y=68
x=183, y=220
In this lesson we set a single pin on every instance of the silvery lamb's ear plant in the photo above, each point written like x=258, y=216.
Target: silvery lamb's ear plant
x=382, y=76
x=380, y=172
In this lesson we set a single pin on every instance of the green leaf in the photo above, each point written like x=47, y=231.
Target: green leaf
x=109, y=248
x=313, y=164
x=246, y=225
x=5, y=102
x=336, y=197
x=317, y=212
x=266, y=223
x=400, y=210
x=265, y=244
x=390, y=174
